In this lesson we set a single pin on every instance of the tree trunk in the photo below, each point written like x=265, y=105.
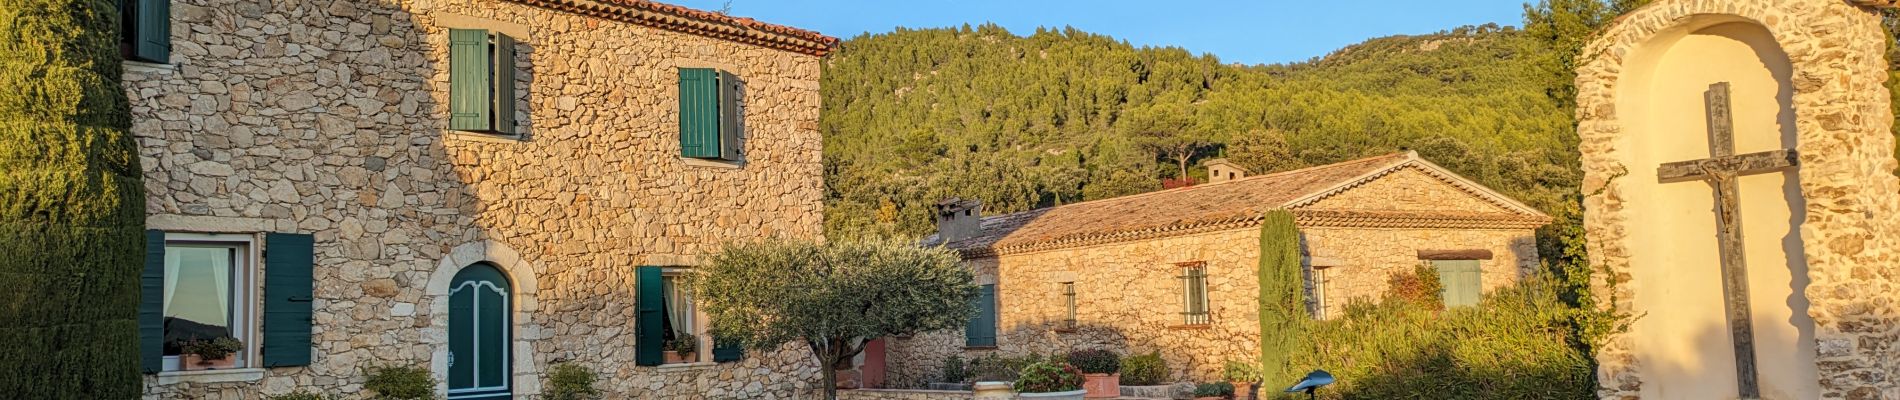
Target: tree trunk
x=74, y=209
x=830, y=378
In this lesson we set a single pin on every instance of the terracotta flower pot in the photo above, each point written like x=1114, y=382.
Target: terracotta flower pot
x=674, y=357
x=1102, y=386
x=1242, y=390
x=194, y=362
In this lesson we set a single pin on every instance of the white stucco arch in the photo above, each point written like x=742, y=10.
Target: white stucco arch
x=521, y=275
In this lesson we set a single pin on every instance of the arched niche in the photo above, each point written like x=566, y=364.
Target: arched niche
x=1682, y=336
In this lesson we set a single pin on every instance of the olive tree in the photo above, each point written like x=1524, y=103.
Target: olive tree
x=831, y=297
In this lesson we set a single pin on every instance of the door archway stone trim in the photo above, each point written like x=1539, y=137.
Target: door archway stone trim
x=521, y=275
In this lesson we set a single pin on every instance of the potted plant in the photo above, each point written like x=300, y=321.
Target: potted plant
x=1053, y=380
x=1243, y=376
x=682, y=349
x=210, y=354
x=1214, y=391
x=1101, y=371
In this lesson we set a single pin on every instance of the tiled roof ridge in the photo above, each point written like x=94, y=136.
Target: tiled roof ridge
x=1304, y=218
x=1433, y=170
x=698, y=22
x=1341, y=164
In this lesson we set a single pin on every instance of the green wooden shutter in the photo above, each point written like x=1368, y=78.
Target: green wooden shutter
x=727, y=350
x=1460, y=281
x=981, y=331
x=150, y=29
x=469, y=76
x=649, y=329
x=504, y=66
x=731, y=142
x=288, y=261
x=152, y=304
x=699, y=113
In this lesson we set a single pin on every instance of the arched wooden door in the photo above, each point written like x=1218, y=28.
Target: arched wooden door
x=479, y=310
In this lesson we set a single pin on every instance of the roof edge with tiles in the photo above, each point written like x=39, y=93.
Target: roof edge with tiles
x=697, y=22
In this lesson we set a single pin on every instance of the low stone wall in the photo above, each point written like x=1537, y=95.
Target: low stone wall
x=1175, y=391
x=905, y=394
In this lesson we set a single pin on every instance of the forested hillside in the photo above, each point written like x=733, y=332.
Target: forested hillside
x=1060, y=116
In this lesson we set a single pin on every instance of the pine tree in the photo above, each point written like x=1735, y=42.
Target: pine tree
x=71, y=205
x=1284, y=319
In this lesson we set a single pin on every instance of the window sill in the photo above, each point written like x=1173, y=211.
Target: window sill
x=149, y=67
x=211, y=376
x=485, y=137
x=1191, y=327
x=713, y=163
x=979, y=347
x=684, y=367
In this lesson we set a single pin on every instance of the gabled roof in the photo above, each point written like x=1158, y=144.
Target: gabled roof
x=697, y=22
x=1239, y=203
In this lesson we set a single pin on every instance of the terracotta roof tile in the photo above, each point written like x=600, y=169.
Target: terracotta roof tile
x=698, y=22
x=1222, y=205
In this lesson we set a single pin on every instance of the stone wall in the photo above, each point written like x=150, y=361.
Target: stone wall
x=329, y=118
x=897, y=394
x=1129, y=297
x=1842, y=128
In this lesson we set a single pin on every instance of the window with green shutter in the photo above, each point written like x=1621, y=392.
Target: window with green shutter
x=195, y=288
x=289, y=259
x=482, y=82
x=1461, y=280
x=649, y=324
x=1194, y=293
x=981, y=330
x=711, y=120
x=146, y=30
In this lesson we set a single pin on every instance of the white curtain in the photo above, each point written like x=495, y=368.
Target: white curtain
x=202, y=276
x=679, y=306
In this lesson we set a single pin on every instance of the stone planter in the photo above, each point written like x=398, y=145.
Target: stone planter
x=1181, y=391
x=1102, y=386
x=992, y=390
x=194, y=362
x=1069, y=395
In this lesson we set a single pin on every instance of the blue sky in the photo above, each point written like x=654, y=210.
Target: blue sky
x=1258, y=31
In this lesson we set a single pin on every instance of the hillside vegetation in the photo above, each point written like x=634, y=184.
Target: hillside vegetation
x=1060, y=116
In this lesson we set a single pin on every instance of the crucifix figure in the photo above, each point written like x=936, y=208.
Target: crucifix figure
x=1721, y=170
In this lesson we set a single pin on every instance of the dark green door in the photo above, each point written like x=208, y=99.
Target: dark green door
x=479, y=309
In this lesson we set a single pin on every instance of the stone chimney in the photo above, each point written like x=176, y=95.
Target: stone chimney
x=1221, y=170
x=958, y=219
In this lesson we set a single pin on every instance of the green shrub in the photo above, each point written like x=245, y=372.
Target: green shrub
x=685, y=343
x=954, y=370
x=992, y=367
x=400, y=383
x=1144, y=370
x=569, y=381
x=1214, y=389
x=1096, y=361
x=298, y=395
x=1048, y=377
x=1236, y=371
x=1516, y=344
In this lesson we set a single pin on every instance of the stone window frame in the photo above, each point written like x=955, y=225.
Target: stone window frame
x=524, y=126
x=247, y=302
x=526, y=376
x=745, y=137
x=701, y=330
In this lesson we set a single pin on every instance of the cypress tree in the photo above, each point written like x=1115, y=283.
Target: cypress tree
x=71, y=205
x=1283, y=317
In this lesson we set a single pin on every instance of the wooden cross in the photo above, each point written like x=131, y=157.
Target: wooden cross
x=1721, y=170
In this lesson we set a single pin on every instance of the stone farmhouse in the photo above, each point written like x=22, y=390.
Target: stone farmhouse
x=1174, y=271
x=480, y=188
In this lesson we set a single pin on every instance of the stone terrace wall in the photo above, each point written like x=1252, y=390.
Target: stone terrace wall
x=1844, y=134
x=329, y=118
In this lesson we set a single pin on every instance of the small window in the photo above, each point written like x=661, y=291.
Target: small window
x=207, y=300
x=682, y=330
x=1068, y=304
x=981, y=330
x=145, y=30
x=1319, y=293
x=1194, y=293
x=711, y=116
x=482, y=82
x=1462, y=281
